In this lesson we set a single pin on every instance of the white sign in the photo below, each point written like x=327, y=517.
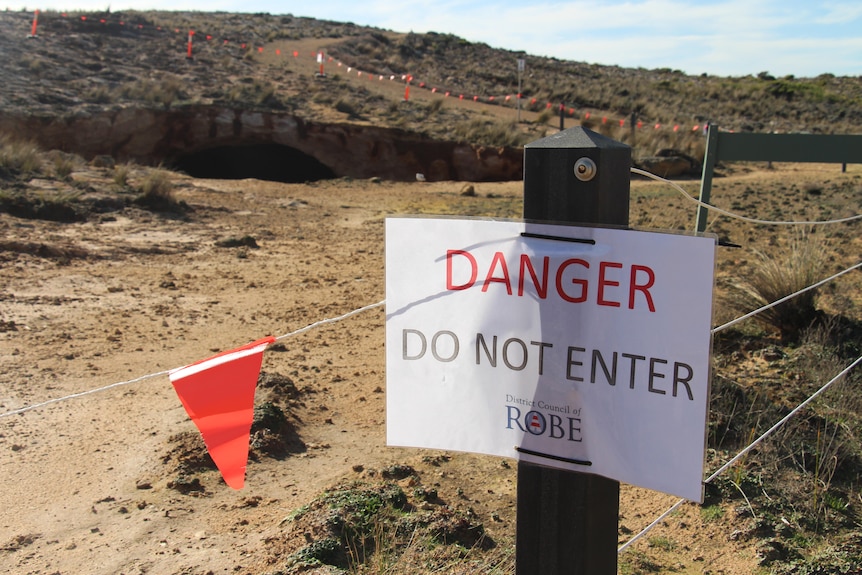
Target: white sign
x=585, y=349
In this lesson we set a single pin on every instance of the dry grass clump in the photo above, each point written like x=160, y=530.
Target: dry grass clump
x=63, y=164
x=157, y=192
x=121, y=174
x=19, y=157
x=775, y=277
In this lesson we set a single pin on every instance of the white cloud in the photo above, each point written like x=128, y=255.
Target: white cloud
x=839, y=12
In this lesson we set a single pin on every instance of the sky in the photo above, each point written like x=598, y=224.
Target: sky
x=719, y=37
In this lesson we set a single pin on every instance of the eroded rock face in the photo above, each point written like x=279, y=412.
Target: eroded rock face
x=152, y=136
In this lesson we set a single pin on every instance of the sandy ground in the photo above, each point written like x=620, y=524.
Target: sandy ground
x=85, y=482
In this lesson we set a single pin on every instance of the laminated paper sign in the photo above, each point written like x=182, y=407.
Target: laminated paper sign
x=586, y=349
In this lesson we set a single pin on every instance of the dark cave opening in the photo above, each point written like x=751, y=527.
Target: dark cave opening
x=271, y=162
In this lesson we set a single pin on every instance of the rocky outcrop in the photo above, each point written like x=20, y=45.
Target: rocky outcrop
x=670, y=163
x=155, y=136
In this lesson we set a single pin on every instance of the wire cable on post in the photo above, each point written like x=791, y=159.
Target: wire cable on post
x=784, y=299
x=685, y=194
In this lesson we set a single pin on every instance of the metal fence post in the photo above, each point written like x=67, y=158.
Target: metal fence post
x=709, y=159
x=567, y=522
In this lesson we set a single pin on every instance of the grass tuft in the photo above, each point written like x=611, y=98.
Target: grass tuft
x=776, y=277
x=157, y=192
x=18, y=157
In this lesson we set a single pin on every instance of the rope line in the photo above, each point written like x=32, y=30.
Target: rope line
x=744, y=451
x=784, y=299
x=737, y=216
x=167, y=371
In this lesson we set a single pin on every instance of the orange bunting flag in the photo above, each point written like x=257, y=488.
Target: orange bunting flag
x=218, y=394
x=35, y=24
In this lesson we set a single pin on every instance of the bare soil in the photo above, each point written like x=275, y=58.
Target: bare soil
x=99, y=484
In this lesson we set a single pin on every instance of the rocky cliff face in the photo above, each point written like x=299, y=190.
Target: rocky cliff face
x=154, y=136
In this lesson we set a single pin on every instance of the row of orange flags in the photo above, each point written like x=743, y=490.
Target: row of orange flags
x=408, y=79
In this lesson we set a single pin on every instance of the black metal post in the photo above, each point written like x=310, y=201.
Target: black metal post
x=567, y=522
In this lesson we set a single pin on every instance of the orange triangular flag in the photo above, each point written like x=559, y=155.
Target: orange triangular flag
x=218, y=394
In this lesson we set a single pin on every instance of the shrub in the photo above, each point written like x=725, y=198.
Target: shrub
x=164, y=92
x=545, y=116
x=346, y=107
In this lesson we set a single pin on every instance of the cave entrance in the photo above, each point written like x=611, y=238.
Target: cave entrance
x=272, y=162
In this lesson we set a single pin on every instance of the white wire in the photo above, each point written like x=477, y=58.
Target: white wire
x=331, y=320
x=737, y=216
x=742, y=453
x=148, y=376
x=783, y=420
x=784, y=299
x=81, y=394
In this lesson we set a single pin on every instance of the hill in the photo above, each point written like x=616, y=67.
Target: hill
x=84, y=65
